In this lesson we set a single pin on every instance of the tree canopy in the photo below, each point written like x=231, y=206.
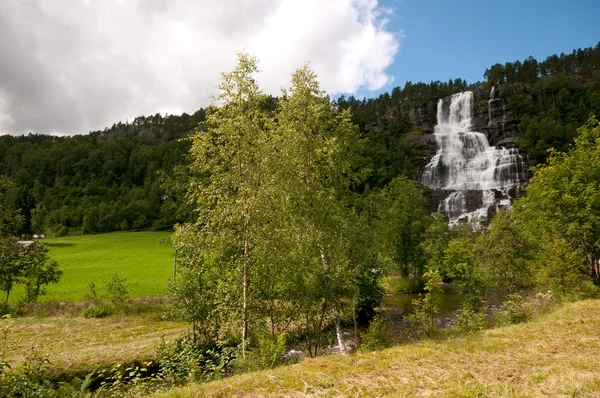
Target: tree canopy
x=563, y=198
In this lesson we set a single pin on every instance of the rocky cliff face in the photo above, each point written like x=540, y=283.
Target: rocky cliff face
x=493, y=116
x=478, y=167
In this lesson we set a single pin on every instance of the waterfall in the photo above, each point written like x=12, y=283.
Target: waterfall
x=490, y=105
x=465, y=162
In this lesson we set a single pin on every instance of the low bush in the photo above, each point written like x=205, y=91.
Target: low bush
x=467, y=320
x=96, y=311
x=377, y=336
x=184, y=360
x=422, y=320
x=270, y=349
x=520, y=308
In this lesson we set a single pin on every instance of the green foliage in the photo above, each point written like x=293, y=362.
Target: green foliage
x=370, y=295
x=270, y=349
x=29, y=378
x=513, y=311
x=422, y=320
x=399, y=285
x=76, y=388
x=125, y=379
x=91, y=294
x=377, y=336
x=467, y=320
x=583, y=62
x=96, y=311
x=28, y=266
x=403, y=219
x=505, y=254
x=11, y=221
x=434, y=244
x=10, y=266
x=184, y=360
x=117, y=291
x=101, y=182
x=6, y=328
x=276, y=234
x=39, y=271
x=520, y=307
x=230, y=204
x=561, y=202
x=460, y=266
x=196, y=299
x=559, y=270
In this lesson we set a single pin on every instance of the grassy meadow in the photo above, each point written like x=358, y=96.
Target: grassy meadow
x=145, y=259
x=77, y=343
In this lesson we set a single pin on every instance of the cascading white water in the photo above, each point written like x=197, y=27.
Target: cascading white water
x=466, y=162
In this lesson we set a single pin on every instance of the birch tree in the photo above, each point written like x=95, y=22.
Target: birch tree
x=315, y=169
x=229, y=209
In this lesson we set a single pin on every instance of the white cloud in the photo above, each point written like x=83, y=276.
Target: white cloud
x=69, y=67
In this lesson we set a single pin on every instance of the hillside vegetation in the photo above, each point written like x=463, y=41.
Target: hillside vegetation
x=555, y=356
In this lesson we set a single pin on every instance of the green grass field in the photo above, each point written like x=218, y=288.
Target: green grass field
x=145, y=259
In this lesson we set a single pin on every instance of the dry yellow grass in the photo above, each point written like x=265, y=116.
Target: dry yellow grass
x=78, y=343
x=554, y=356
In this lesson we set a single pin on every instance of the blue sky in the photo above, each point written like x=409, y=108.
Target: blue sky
x=461, y=38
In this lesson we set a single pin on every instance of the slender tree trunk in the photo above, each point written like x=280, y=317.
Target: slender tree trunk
x=308, y=335
x=594, y=265
x=6, y=301
x=336, y=314
x=245, y=294
x=354, y=315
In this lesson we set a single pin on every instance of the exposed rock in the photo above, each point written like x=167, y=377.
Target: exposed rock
x=423, y=147
x=510, y=142
x=420, y=119
x=293, y=356
x=492, y=116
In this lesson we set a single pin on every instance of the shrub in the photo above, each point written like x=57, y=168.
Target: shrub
x=519, y=309
x=270, y=349
x=422, y=320
x=116, y=290
x=95, y=311
x=370, y=295
x=29, y=379
x=377, y=336
x=184, y=360
x=466, y=321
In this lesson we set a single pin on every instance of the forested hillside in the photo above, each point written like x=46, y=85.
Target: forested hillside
x=104, y=181
x=123, y=178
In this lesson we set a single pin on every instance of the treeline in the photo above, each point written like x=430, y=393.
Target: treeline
x=584, y=62
x=105, y=181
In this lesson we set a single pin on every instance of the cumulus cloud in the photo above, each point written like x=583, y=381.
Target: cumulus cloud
x=71, y=67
